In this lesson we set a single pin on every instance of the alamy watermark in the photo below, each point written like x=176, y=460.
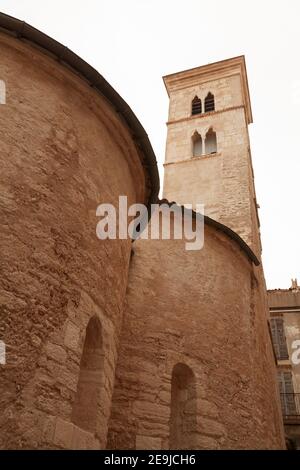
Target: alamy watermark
x=2, y=92
x=168, y=221
x=2, y=353
x=295, y=359
x=296, y=92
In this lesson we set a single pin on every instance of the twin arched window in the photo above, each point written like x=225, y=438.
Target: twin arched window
x=196, y=106
x=197, y=145
x=209, y=104
x=210, y=142
x=209, y=146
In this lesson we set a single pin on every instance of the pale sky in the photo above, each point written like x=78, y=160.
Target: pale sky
x=133, y=43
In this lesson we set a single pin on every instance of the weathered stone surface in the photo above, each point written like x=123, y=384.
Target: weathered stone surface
x=82, y=440
x=148, y=442
x=64, y=151
x=49, y=425
x=72, y=336
x=56, y=352
x=181, y=308
x=63, y=434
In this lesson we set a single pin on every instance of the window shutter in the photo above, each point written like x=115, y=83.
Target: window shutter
x=287, y=396
x=278, y=338
x=209, y=103
x=196, y=106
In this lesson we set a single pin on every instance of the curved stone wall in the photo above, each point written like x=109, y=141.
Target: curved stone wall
x=64, y=150
x=203, y=310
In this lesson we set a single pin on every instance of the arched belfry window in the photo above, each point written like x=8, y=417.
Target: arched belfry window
x=183, y=419
x=87, y=400
x=196, y=106
x=209, y=103
x=197, y=144
x=210, y=142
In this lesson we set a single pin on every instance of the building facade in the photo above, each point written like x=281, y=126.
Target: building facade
x=285, y=326
x=180, y=365
x=109, y=343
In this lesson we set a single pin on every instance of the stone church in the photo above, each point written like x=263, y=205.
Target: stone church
x=115, y=344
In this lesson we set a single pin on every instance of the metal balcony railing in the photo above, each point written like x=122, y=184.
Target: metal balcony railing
x=290, y=405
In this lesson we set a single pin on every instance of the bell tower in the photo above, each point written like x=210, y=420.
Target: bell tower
x=208, y=157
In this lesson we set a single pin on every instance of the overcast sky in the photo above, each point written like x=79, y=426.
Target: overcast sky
x=133, y=43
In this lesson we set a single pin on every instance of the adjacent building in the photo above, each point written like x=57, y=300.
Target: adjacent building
x=285, y=327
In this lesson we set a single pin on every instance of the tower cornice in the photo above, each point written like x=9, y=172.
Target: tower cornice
x=205, y=73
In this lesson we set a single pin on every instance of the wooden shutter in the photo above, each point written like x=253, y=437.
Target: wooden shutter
x=209, y=103
x=196, y=106
x=279, y=339
x=287, y=395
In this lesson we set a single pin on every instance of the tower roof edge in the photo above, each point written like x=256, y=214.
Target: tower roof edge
x=208, y=72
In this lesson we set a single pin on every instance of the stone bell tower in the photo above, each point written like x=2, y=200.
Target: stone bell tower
x=208, y=158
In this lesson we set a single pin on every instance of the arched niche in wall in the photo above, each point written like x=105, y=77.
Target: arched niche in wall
x=197, y=144
x=210, y=142
x=90, y=382
x=183, y=418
